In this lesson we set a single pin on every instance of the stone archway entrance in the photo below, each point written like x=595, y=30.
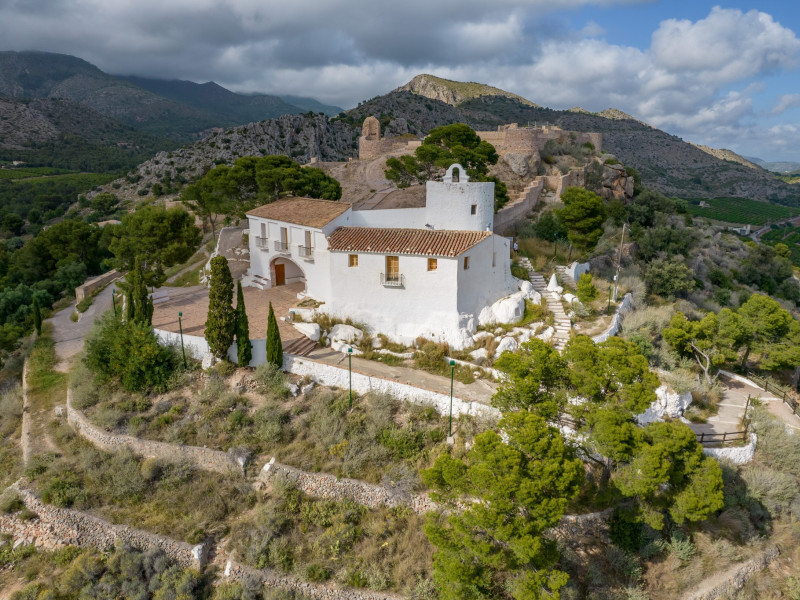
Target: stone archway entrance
x=284, y=271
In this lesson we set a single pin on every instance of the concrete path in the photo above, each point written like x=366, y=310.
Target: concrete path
x=730, y=416
x=479, y=391
x=68, y=335
x=231, y=247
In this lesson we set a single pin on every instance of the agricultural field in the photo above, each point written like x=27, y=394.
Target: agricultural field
x=27, y=173
x=741, y=210
x=785, y=235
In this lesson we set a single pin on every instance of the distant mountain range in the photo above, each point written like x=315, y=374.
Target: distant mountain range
x=776, y=167
x=58, y=105
x=180, y=110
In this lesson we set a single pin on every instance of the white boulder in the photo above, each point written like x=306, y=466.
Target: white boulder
x=506, y=310
x=345, y=333
x=209, y=360
x=552, y=285
x=310, y=330
x=668, y=403
x=569, y=298
x=507, y=343
x=523, y=334
x=480, y=336
x=479, y=354
x=546, y=335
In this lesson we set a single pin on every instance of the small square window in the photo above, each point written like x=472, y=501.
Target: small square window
x=352, y=260
x=432, y=264
x=466, y=263
x=473, y=209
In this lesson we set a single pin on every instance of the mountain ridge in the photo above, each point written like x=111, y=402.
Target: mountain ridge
x=181, y=110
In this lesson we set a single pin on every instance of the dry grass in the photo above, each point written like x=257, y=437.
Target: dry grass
x=10, y=428
x=380, y=549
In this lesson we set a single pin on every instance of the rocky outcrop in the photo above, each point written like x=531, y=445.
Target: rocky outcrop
x=455, y=92
x=298, y=136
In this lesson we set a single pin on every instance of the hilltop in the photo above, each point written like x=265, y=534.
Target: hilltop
x=455, y=92
x=666, y=163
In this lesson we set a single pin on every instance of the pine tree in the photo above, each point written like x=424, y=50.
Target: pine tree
x=37, y=316
x=221, y=322
x=243, y=344
x=274, y=345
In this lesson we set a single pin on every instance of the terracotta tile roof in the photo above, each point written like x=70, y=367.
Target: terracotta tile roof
x=426, y=242
x=310, y=212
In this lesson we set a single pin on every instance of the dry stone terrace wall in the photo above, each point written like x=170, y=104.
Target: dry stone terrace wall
x=56, y=527
x=736, y=580
x=330, y=487
x=203, y=458
x=273, y=579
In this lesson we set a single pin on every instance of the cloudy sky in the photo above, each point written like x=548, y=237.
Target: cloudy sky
x=725, y=75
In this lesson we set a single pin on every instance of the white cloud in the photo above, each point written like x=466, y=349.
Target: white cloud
x=695, y=79
x=785, y=102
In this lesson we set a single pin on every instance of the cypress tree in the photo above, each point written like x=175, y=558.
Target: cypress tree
x=138, y=303
x=37, y=316
x=243, y=345
x=274, y=345
x=221, y=322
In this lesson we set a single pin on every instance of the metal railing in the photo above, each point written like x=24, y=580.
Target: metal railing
x=393, y=280
x=305, y=251
x=282, y=246
x=262, y=242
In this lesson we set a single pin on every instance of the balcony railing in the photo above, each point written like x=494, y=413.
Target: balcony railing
x=305, y=251
x=282, y=246
x=262, y=242
x=393, y=280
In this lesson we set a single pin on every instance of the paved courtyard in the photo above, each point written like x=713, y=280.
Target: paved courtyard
x=193, y=302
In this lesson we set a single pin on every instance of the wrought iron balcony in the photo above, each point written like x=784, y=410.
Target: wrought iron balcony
x=305, y=251
x=262, y=242
x=282, y=246
x=393, y=280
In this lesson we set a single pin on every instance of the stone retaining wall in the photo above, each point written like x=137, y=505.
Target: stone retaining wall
x=337, y=377
x=95, y=283
x=203, y=458
x=738, y=577
x=737, y=454
x=616, y=323
x=57, y=527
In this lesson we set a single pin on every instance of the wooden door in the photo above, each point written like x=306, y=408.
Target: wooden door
x=392, y=268
x=280, y=274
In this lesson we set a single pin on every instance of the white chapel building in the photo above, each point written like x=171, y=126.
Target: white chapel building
x=430, y=271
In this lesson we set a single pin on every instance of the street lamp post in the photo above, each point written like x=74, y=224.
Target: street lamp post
x=350, y=369
x=183, y=350
x=114, y=301
x=452, y=376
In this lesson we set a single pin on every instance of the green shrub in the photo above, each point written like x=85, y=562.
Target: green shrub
x=84, y=304
x=225, y=368
x=270, y=381
x=317, y=573
x=404, y=443
x=586, y=289
x=10, y=503
x=129, y=353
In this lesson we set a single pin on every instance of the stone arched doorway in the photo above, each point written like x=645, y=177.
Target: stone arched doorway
x=284, y=271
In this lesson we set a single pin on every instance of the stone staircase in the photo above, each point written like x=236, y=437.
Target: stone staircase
x=562, y=324
x=301, y=346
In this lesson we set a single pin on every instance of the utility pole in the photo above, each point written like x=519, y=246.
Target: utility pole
x=619, y=262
